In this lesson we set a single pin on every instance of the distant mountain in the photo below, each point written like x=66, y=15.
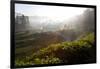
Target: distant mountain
x=35, y=23
x=80, y=23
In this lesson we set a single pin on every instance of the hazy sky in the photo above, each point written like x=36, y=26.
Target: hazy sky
x=50, y=11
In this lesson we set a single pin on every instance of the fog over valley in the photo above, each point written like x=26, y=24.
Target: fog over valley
x=45, y=23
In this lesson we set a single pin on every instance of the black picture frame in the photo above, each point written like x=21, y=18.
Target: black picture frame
x=12, y=5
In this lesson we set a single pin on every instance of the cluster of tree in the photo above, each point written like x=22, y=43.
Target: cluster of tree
x=21, y=22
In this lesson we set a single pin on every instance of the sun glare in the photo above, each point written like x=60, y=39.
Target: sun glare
x=53, y=12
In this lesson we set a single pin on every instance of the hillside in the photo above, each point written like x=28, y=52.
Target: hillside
x=29, y=42
x=81, y=50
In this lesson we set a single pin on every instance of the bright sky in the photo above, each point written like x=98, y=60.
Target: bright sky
x=49, y=11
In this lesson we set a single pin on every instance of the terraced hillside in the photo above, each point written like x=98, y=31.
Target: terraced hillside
x=53, y=51
x=31, y=42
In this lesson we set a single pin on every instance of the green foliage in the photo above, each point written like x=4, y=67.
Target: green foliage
x=48, y=60
x=22, y=62
x=69, y=52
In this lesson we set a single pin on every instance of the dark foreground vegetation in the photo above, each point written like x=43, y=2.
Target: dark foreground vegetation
x=81, y=50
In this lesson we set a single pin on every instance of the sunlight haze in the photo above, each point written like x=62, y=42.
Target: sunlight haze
x=54, y=12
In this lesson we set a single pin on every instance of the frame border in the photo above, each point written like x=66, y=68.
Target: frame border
x=12, y=30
